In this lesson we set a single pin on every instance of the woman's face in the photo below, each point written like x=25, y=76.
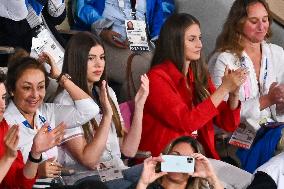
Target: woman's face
x=192, y=43
x=96, y=64
x=29, y=91
x=183, y=149
x=2, y=99
x=256, y=25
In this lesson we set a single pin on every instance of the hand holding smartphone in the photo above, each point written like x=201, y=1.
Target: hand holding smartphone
x=178, y=164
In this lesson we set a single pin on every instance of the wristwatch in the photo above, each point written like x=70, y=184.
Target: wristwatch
x=32, y=159
x=61, y=75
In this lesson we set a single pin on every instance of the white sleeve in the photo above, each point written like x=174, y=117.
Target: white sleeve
x=77, y=114
x=56, y=7
x=277, y=53
x=217, y=65
x=70, y=133
x=14, y=10
x=250, y=109
x=278, y=61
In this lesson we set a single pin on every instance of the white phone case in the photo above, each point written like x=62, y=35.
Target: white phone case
x=178, y=164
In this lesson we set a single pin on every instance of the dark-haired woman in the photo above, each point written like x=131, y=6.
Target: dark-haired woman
x=182, y=98
x=14, y=172
x=26, y=84
x=104, y=138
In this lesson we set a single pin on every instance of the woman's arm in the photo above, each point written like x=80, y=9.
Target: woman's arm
x=217, y=68
x=74, y=91
x=203, y=169
x=11, y=141
x=132, y=139
x=88, y=154
x=21, y=175
x=168, y=105
x=149, y=174
x=231, y=82
x=43, y=141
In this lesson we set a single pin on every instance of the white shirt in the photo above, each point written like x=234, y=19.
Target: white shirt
x=112, y=145
x=272, y=62
x=72, y=115
x=275, y=169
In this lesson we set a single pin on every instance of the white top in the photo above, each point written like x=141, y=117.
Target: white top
x=275, y=169
x=112, y=145
x=14, y=10
x=72, y=115
x=271, y=70
x=17, y=9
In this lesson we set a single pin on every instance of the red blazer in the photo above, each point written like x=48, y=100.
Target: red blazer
x=15, y=178
x=169, y=112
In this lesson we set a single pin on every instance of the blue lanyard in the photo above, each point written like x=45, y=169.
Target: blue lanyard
x=42, y=119
x=265, y=74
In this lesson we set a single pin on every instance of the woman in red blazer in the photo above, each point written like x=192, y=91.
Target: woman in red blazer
x=182, y=98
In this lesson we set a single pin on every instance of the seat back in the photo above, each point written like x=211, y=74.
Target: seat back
x=231, y=176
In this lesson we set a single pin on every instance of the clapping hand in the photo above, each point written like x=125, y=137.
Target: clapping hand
x=143, y=92
x=276, y=93
x=104, y=99
x=44, y=139
x=233, y=79
x=11, y=141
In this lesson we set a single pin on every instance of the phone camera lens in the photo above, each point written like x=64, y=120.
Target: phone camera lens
x=189, y=160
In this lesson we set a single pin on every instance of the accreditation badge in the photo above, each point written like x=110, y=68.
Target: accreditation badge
x=109, y=170
x=43, y=42
x=136, y=35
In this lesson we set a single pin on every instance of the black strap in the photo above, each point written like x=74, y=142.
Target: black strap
x=133, y=12
x=32, y=159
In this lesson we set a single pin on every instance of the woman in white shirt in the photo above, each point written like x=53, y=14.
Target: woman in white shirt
x=104, y=138
x=26, y=83
x=242, y=43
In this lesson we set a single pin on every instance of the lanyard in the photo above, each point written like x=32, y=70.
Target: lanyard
x=247, y=84
x=133, y=9
x=42, y=119
x=265, y=74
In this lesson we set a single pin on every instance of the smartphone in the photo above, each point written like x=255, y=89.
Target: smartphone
x=177, y=164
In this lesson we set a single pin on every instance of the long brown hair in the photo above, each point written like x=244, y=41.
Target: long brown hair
x=230, y=37
x=170, y=46
x=75, y=64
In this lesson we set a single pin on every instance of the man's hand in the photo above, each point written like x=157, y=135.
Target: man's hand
x=112, y=38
